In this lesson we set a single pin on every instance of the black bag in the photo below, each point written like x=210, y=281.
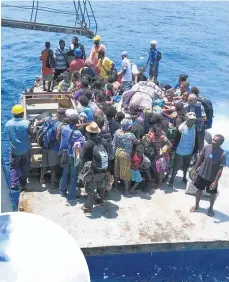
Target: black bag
x=99, y=157
x=158, y=56
x=62, y=156
x=50, y=62
x=208, y=108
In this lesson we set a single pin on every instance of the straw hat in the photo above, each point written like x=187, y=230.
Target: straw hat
x=93, y=128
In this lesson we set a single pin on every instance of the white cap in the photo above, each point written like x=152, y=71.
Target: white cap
x=153, y=42
x=124, y=53
x=70, y=112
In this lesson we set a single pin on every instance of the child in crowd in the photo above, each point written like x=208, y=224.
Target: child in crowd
x=119, y=117
x=83, y=107
x=137, y=160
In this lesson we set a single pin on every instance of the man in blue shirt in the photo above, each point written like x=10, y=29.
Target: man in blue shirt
x=154, y=58
x=19, y=132
x=186, y=145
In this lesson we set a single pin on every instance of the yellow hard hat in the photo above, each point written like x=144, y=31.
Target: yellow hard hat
x=17, y=109
x=97, y=38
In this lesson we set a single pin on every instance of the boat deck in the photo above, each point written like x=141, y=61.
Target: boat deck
x=143, y=222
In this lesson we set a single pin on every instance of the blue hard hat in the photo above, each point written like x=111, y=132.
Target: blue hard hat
x=77, y=53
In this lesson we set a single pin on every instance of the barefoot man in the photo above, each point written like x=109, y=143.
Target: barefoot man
x=210, y=165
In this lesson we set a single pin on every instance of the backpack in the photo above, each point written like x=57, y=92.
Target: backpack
x=99, y=157
x=208, y=108
x=46, y=135
x=50, y=62
x=158, y=56
x=162, y=165
x=149, y=150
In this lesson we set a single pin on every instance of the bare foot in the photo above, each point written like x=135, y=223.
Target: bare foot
x=194, y=209
x=211, y=213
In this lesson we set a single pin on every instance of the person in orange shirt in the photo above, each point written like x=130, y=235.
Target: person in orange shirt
x=48, y=65
x=95, y=49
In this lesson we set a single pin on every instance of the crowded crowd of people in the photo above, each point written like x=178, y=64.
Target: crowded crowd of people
x=96, y=146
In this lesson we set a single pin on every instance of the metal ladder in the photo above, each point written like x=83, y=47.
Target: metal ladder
x=85, y=22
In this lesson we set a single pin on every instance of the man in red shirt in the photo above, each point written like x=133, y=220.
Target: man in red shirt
x=78, y=63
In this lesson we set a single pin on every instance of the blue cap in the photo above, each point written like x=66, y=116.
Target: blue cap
x=78, y=53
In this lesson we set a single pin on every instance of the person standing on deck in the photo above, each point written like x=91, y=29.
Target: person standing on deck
x=196, y=107
x=78, y=63
x=104, y=66
x=95, y=50
x=19, y=132
x=209, y=168
x=95, y=151
x=51, y=146
x=154, y=58
x=126, y=72
x=71, y=140
x=75, y=45
x=61, y=59
x=185, y=141
x=48, y=64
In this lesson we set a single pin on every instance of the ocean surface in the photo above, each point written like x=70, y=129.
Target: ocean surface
x=192, y=36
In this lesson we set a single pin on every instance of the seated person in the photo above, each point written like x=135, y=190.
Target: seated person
x=88, y=68
x=89, y=94
x=169, y=95
x=75, y=82
x=64, y=84
x=141, y=76
x=80, y=92
x=119, y=117
x=184, y=87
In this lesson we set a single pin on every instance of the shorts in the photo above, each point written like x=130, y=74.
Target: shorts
x=135, y=176
x=47, y=77
x=182, y=162
x=49, y=158
x=201, y=184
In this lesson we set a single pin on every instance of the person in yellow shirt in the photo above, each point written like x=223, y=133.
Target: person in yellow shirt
x=104, y=66
x=95, y=49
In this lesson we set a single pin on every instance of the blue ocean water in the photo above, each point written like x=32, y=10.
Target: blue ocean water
x=179, y=266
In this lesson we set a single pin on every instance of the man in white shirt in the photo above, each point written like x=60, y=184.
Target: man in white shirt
x=126, y=72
